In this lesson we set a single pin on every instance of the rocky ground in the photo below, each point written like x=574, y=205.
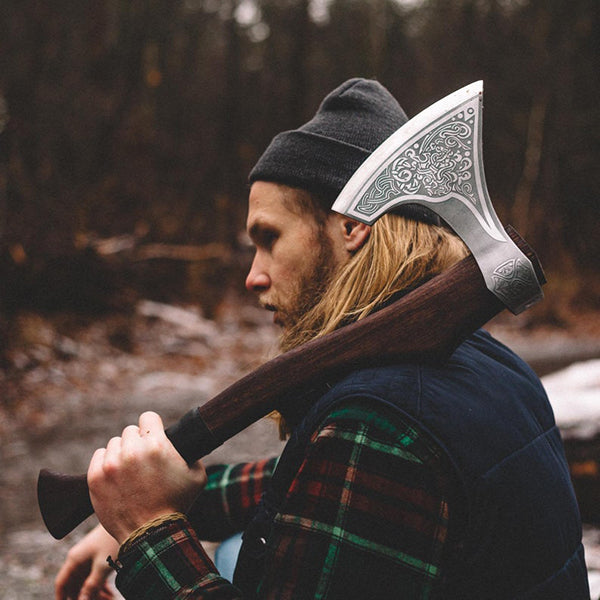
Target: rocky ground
x=68, y=384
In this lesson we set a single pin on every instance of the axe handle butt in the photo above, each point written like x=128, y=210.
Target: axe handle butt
x=64, y=501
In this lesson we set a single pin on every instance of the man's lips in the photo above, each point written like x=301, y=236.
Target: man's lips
x=273, y=309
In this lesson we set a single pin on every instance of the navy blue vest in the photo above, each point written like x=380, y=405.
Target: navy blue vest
x=519, y=527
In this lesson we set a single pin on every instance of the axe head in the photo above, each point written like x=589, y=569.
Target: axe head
x=436, y=160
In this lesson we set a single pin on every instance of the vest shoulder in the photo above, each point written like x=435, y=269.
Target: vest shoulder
x=481, y=361
x=484, y=389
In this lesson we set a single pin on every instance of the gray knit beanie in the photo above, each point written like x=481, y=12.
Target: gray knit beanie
x=321, y=155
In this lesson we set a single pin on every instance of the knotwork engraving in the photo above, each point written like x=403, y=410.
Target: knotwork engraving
x=438, y=164
x=512, y=279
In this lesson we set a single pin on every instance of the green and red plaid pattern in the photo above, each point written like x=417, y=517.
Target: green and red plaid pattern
x=230, y=497
x=365, y=517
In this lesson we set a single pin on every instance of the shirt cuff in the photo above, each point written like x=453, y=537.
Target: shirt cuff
x=163, y=560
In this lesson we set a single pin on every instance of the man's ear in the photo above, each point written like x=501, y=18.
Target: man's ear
x=355, y=234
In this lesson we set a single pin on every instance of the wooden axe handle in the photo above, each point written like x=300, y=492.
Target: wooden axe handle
x=425, y=325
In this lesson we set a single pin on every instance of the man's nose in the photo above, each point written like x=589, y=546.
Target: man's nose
x=257, y=280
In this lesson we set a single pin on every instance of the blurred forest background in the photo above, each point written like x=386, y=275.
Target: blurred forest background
x=128, y=127
x=127, y=130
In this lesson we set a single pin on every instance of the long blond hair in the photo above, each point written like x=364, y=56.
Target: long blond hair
x=400, y=254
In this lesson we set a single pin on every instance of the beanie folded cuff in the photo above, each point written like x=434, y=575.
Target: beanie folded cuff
x=309, y=161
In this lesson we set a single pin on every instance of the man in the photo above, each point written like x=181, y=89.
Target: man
x=398, y=481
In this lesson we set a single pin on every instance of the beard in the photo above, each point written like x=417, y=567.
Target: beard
x=310, y=287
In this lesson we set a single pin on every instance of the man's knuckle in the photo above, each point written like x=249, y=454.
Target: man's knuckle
x=72, y=554
x=110, y=468
x=152, y=445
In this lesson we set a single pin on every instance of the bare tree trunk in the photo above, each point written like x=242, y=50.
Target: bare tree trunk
x=4, y=154
x=531, y=163
x=377, y=35
x=298, y=62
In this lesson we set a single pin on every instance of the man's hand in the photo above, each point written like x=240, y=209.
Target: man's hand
x=139, y=477
x=84, y=572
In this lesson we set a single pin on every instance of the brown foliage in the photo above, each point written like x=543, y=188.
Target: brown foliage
x=143, y=118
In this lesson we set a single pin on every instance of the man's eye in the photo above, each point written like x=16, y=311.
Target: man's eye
x=268, y=239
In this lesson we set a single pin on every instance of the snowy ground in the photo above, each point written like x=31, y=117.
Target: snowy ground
x=72, y=385
x=575, y=396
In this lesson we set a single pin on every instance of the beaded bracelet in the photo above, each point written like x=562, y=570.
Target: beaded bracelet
x=140, y=531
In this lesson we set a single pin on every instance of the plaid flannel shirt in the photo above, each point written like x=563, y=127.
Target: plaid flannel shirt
x=365, y=517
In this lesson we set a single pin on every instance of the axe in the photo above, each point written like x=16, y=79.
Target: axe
x=434, y=160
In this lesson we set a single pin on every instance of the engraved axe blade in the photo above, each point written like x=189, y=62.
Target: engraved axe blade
x=435, y=160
